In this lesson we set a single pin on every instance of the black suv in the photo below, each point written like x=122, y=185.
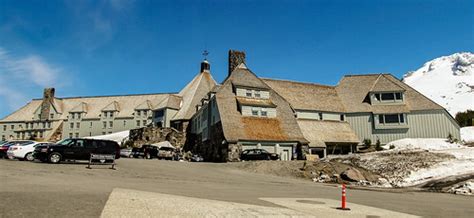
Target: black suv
x=75, y=149
x=258, y=154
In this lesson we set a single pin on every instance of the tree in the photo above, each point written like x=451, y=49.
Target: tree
x=465, y=118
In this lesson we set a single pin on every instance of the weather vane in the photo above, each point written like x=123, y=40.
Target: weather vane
x=205, y=53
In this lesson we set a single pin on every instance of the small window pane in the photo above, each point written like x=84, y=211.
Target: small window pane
x=402, y=118
x=381, y=120
x=399, y=96
x=377, y=96
x=387, y=96
x=391, y=118
x=264, y=113
x=254, y=112
x=249, y=93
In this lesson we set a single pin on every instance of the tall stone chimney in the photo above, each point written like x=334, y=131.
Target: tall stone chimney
x=48, y=97
x=235, y=58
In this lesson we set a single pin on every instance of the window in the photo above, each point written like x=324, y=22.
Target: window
x=13, y=127
x=398, y=96
x=138, y=122
x=71, y=126
x=49, y=125
x=18, y=135
x=124, y=123
x=248, y=93
x=342, y=117
x=264, y=112
x=138, y=113
x=387, y=96
x=104, y=125
x=70, y=135
x=90, y=125
x=110, y=132
x=254, y=112
x=111, y=114
x=78, y=125
x=51, y=116
x=145, y=113
x=90, y=133
x=77, y=135
x=4, y=127
x=73, y=116
x=103, y=133
x=41, y=134
x=257, y=94
x=159, y=113
x=144, y=123
x=391, y=118
x=78, y=115
x=320, y=116
x=3, y=138
x=111, y=124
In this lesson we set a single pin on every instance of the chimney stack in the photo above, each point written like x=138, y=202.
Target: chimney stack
x=235, y=59
x=205, y=66
x=48, y=96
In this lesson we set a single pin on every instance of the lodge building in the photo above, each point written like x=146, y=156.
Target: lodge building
x=245, y=111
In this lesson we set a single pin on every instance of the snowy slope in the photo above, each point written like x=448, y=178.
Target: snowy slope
x=467, y=134
x=448, y=80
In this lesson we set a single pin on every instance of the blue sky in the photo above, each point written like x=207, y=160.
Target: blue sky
x=105, y=47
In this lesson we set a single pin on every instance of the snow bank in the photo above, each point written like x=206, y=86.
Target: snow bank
x=118, y=136
x=467, y=134
x=463, y=162
x=432, y=144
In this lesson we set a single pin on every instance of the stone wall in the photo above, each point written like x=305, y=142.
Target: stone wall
x=150, y=135
x=212, y=150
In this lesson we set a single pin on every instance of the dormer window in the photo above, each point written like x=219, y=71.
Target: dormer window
x=388, y=97
x=257, y=94
x=248, y=93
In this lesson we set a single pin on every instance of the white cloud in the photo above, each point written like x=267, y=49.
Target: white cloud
x=21, y=77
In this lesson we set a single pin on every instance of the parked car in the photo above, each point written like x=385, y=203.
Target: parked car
x=146, y=151
x=75, y=149
x=5, y=146
x=258, y=154
x=24, y=151
x=126, y=152
x=167, y=153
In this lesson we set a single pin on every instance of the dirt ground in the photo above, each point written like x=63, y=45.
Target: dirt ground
x=70, y=190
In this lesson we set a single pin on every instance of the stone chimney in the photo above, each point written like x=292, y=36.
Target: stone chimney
x=205, y=66
x=48, y=97
x=235, y=58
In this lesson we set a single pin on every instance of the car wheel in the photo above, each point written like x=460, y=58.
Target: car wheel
x=29, y=157
x=54, y=158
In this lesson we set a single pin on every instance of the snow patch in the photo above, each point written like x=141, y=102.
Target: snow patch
x=467, y=134
x=119, y=137
x=431, y=144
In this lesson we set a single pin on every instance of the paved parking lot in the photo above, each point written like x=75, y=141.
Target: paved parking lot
x=47, y=190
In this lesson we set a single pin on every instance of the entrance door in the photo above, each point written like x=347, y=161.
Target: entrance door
x=285, y=155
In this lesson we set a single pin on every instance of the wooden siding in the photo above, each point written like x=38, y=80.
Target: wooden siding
x=421, y=124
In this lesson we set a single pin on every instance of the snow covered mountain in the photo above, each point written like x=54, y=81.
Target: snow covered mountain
x=447, y=80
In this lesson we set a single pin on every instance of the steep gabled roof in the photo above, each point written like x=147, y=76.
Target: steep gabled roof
x=307, y=96
x=353, y=91
x=383, y=84
x=237, y=127
x=192, y=94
